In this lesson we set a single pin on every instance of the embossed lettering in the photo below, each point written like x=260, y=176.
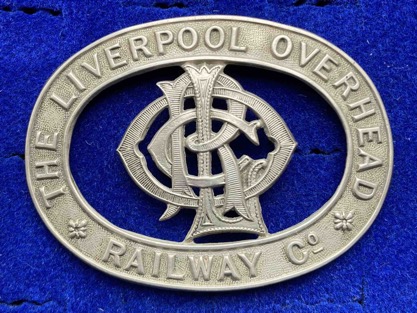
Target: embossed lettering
x=251, y=264
x=371, y=187
x=312, y=239
x=66, y=105
x=163, y=38
x=296, y=244
x=156, y=264
x=234, y=46
x=51, y=195
x=45, y=141
x=287, y=44
x=194, y=38
x=201, y=266
x=114, y=250
x=300, y=257
x=364, y=112
x=369, y=161
x=350, y=82
x=95, y=70
x=113, y=57
x=136, y=261
x=139, y=44
x=369, y=133
x=208, y=37
x=304, y=58
x=171, y=268
x=228, y=268
x=75, y=81
x=325, y=65
x=47, y=173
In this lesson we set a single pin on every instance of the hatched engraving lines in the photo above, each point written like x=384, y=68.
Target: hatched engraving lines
x=242, y=179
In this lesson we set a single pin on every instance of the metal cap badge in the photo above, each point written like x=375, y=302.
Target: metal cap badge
x=203, y=46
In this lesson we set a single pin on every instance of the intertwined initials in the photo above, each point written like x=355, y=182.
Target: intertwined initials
x=243, y=179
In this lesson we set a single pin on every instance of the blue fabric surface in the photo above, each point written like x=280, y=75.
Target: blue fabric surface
x=37, y=274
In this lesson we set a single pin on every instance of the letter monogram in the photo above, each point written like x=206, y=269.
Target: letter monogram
x=243, y=179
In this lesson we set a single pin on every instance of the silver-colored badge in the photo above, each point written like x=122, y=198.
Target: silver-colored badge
x=243, y=179
x=203, y=47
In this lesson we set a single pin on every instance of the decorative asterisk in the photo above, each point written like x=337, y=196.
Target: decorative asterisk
x=343, y=221
x=77, y=229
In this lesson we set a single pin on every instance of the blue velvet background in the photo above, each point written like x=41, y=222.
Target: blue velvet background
x=37, y=274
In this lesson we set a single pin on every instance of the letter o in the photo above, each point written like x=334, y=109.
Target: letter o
x=207, y=37
x=194, y=38
x=312, y=239
x=288, y=48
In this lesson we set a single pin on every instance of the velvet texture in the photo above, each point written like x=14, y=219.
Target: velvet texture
x=37, y=274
